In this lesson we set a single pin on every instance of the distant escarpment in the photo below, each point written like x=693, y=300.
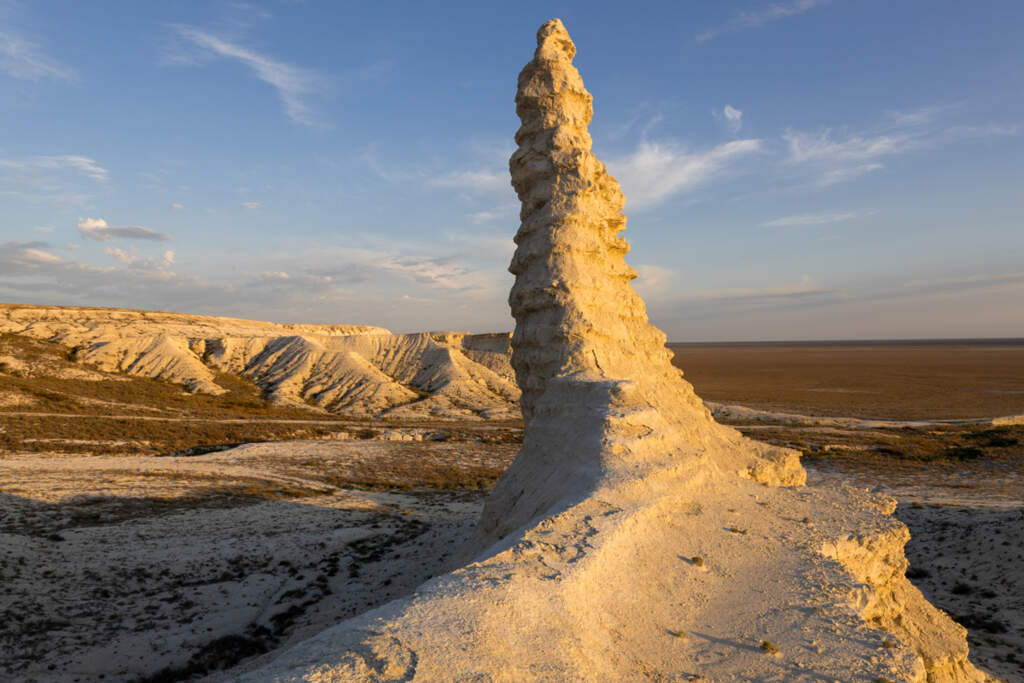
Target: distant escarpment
x=344, y=369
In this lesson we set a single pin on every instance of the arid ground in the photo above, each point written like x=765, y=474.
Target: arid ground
x=151, y=534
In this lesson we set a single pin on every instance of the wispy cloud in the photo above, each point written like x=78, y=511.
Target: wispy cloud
x=800, y=220
x=30, y=269
x=804, y=289
x=482, y=180
x=177, y=207
x=97, y=229
x=24, y=60
x=659, y=170
x=26, y=254
x=969, y=282
x=122, y=256
x=839, y=157
x=652, y=280
x=822, y=147
x=52, y=179
x=733, y=118
x=504, y=213
x=251, y=205
x=83, y=165
x=293, y=84
x=747, y=20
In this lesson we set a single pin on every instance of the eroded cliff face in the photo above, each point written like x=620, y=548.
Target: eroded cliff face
x=354, y=370
x=634, y=538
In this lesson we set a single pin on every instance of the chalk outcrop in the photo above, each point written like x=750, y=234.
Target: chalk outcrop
x=353, y=370
x=634, y=538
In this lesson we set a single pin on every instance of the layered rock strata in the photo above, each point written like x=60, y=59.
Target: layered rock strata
x=352, y=370
x=634, y=538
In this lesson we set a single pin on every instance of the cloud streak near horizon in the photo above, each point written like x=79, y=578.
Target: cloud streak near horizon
x=97, y=229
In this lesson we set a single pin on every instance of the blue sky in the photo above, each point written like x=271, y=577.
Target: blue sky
x=798, y=169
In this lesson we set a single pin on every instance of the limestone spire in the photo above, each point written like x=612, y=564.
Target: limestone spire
x=578, y=568
x=575, y=310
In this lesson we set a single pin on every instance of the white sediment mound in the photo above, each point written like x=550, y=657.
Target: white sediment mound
x=634, y=538
x=347, y=369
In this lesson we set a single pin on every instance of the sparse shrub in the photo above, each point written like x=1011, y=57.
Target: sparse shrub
x=996, y=438
x=978, y=622
x=769, y=647
x=697, y=561
x=918, y=573
x=964, y=453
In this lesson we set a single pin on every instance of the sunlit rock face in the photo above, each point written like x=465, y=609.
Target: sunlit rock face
x=634, y=538
x=589, y=364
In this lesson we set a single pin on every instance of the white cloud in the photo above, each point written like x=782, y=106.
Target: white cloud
x=176, y=206
x=122, y=256
x=97, y=229
x=845, y=159
x=838, y=158
x=251, y=205
x=169, y=257
x=651, y=279
x=745, y=20
x=965, y=283
x=475, y=181
x=84, y=165
x=504, y=213
x=733, y=117
x=839, y=175
x=22, y=59
x=808, y=219
x=821, y=147
x=29, y=256
x=27, y=269
x=293, y=84
x=43, y=228
x=656, y=171
x=40, y=256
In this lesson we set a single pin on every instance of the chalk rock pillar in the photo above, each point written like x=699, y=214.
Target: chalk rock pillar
x=602, y=403
x=575, y=311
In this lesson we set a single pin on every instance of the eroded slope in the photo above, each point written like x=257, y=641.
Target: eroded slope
x=344, y=369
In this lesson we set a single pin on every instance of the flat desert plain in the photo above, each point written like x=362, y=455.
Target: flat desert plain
x=935, y=424
x=150, y=534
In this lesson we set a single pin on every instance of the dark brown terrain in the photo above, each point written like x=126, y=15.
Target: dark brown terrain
x=897, y=380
